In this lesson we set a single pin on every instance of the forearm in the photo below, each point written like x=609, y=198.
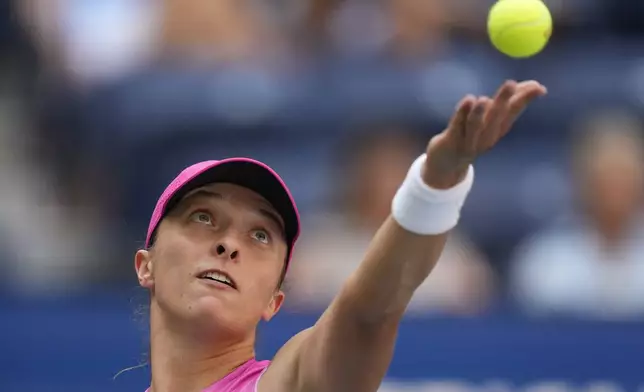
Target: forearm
x=351, y=345
x=409, y=243
x=395, y=265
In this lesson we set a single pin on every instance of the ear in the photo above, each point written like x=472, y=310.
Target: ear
x=144, y=268
x=274, y=306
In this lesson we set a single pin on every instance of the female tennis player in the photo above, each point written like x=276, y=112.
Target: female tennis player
x=219, y=245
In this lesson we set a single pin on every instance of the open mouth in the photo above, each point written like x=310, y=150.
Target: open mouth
x=218, y=276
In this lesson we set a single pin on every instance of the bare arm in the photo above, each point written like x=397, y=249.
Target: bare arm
x=351, y=346
x=360, y=326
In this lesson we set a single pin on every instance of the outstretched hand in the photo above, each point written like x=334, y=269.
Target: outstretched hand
x=476, y=126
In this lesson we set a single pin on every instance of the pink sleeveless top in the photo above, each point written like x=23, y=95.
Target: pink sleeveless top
x=243, y=379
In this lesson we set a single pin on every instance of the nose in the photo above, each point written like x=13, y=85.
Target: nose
x=225, y=250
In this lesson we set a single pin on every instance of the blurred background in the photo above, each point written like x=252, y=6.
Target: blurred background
x=103, y=102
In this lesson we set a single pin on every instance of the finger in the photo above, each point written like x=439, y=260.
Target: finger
x=475, y=122
x=486, y=139
x=523, y=97
x=488, y=105
x=506, y=90
x=527, y=92
x=459, y=119
x=529, y=84
x=499, y=107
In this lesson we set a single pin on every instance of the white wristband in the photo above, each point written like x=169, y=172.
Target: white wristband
x=423, y=210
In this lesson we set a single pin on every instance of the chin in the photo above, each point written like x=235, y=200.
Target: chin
x=211, y=314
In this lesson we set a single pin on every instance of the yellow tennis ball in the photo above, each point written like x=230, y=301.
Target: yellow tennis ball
x=519, y=28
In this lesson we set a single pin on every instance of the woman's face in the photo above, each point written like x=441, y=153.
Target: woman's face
x=217, y=260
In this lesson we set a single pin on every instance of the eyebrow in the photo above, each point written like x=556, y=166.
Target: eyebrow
x=204, y=193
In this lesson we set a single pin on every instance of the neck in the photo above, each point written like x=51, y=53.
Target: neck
x=184, y=361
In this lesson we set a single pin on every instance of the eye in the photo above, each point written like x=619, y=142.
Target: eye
x=201, y=217
x=261, y=236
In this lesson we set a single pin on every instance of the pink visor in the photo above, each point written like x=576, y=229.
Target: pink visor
x=245, y=172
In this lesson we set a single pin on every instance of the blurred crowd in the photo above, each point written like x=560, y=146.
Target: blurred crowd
x=103, y=102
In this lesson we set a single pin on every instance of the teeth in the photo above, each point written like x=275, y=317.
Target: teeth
x=218, y=277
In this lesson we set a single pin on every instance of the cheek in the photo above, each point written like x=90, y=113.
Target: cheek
x=170, y=282
x=261, y=283
x=173, y=267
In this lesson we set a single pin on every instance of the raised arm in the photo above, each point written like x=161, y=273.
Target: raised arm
x=351, y=346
